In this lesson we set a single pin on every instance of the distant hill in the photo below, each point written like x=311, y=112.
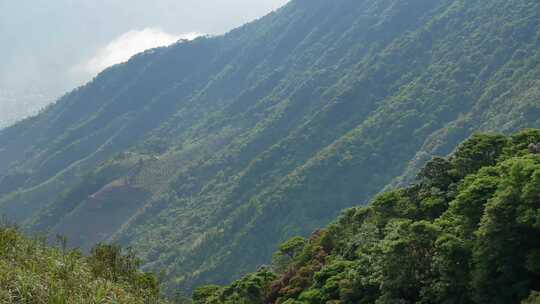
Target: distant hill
x=207, y=154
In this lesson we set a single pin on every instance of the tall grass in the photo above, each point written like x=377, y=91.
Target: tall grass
x=32, y=273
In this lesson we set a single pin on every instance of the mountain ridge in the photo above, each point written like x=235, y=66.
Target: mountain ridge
x=235, y=139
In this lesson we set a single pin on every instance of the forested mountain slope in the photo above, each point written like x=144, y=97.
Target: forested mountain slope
x=466, y=232
x=206, y=154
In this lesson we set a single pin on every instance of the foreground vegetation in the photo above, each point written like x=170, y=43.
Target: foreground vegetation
x=466, y=232
x=32, y=273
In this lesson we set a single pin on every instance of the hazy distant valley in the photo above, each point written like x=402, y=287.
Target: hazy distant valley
x=16, y=106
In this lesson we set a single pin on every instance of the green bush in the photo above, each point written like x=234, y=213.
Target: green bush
x=32, y=273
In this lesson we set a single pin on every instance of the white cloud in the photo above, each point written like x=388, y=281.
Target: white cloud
x=125, y=46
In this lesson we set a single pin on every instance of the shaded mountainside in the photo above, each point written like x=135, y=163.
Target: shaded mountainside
x=466, y=232
x=205, y=155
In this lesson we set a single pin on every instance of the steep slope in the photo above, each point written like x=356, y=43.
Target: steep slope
x=467, y=232
x=238, y=142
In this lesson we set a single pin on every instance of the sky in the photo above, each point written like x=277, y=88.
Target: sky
x=48, y=47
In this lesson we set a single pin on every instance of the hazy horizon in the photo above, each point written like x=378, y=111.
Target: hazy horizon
x=51, y=47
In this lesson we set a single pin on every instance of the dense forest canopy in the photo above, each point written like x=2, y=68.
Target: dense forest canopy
x=466, y=232
x=206, y=155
